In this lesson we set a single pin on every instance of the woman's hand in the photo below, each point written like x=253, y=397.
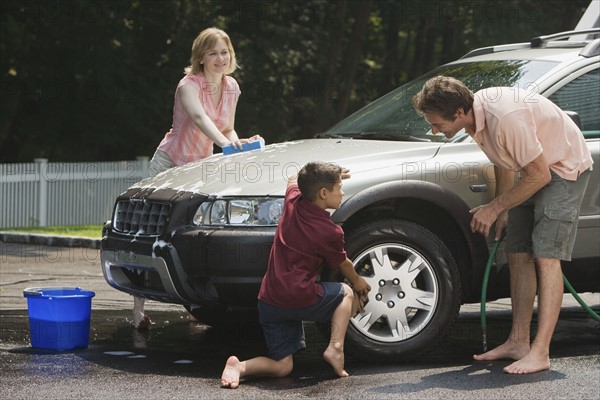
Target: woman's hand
x=237, y=143
x=255, y=137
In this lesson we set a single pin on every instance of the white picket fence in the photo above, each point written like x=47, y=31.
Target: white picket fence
x=46, y=193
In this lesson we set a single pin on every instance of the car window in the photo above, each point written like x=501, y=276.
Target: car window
x=393, y=115
x=581, y=95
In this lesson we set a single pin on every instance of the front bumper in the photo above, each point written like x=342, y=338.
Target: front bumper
x=196, y=266
x=146, y=276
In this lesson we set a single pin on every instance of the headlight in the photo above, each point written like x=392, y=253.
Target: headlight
x=218, y=213
x=255, y=211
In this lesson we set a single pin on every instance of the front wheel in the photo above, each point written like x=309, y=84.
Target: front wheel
x=415, y=290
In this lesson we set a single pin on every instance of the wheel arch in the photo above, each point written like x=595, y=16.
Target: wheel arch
x=436, y=208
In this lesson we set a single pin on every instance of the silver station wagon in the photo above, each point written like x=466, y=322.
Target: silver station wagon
x=200, y=234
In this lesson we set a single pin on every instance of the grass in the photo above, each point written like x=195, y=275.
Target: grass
x=91, y=231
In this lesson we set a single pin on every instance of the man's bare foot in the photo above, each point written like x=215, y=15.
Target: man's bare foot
x=529, y=364
x=334, y=356
x=232, y=372
x=507, y=350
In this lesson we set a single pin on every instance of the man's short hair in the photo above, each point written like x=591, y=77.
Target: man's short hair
x=316, y=175
x=443, y=96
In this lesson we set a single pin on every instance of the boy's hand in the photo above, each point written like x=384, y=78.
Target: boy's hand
x=361, y=286
x=358, y=283
x=345, y=173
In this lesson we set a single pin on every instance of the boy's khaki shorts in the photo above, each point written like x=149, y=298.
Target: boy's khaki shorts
x=545, y=225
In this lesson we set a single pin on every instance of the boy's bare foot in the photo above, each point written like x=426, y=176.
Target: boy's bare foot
x=231, y=374
x=191, y=318
x=509, y=349
x=334, y=356
x=529, y=364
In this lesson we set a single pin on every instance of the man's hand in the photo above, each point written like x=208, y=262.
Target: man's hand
x=484, y=217
x=501, y=223
x=534, y=176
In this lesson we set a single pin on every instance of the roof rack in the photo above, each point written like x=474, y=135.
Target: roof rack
x=592, y=49
x=542, y=41
x=496, y=49
x=537, y=42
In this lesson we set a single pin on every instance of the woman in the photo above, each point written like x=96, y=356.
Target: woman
x=203, y=115
x=205, y=103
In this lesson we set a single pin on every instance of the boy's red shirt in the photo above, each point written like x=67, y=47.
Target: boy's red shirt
x=305, y=240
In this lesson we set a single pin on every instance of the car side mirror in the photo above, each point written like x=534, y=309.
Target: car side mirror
x=575, y=117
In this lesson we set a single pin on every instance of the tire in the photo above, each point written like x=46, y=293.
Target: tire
x=415, y=292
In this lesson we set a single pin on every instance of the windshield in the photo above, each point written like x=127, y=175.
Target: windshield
x=392, y=117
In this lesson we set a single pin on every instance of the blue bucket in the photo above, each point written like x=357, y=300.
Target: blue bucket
x=59, y=317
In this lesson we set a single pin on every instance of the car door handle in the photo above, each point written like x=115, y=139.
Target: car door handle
x=478, y=188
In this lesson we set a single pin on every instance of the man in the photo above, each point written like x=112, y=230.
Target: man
x=525, y=133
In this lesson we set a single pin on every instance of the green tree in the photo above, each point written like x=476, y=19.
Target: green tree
x=94, y=80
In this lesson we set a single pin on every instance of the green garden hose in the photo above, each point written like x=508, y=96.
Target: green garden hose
x=580, y=300
x=486, y=277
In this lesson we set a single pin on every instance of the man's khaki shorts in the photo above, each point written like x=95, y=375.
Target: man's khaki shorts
x=545, y=225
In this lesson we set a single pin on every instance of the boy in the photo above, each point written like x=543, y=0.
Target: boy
x=305, y=239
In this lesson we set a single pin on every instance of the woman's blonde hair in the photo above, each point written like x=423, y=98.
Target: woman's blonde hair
x=205, y=42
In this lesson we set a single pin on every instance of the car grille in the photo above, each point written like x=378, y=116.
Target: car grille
x=140, y=217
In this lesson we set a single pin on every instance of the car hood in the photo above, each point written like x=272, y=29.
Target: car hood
x=265, y=172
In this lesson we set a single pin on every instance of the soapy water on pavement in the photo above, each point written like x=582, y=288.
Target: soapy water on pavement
x=129, y=354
